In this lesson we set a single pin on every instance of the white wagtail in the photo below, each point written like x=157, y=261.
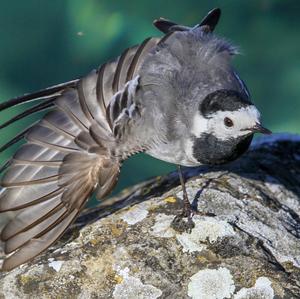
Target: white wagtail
x=177, y=98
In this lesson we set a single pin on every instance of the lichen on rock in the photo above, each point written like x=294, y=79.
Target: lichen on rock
x=262, y=289
x=207, y=229
x=132, y=288
x=211, y=284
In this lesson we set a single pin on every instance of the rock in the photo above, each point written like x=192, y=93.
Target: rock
x=246, y=246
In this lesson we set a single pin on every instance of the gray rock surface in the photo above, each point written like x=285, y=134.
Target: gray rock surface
x=245, y=246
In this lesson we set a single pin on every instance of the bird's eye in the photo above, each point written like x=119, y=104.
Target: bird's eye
x=228, y=122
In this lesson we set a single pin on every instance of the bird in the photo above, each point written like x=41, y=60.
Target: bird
x=176, y=97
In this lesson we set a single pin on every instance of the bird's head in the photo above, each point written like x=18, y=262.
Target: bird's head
x=202, y=100
x=223, y=127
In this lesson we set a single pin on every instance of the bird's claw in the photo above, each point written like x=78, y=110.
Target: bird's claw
x=183, y=222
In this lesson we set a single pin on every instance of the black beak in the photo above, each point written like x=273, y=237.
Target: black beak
x=258, y=128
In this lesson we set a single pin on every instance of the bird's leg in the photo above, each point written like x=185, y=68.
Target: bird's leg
x=187, y=212
x=187, y=208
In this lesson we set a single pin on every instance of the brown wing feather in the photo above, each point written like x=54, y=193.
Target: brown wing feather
x=68, y=155
x=37, y=245
x=53, y=175
x=139, y=56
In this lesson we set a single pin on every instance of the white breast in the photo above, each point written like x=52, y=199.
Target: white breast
x=179, y=152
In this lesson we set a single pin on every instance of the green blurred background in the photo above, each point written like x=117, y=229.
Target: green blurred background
x=48, y=42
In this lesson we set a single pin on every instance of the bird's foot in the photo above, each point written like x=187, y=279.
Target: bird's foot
x=183, y=222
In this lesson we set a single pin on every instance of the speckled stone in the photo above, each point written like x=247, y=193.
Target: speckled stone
x=245, y=244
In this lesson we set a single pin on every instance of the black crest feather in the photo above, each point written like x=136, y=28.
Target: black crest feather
x=208, y=23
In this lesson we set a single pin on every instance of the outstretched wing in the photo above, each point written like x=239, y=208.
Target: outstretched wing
x=71, y=151
x=68, y=154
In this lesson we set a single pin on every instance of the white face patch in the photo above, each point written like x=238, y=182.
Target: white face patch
x=200, y=125
x=243, y=119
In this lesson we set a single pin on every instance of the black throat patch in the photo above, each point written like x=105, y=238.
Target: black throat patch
x=209, y=150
